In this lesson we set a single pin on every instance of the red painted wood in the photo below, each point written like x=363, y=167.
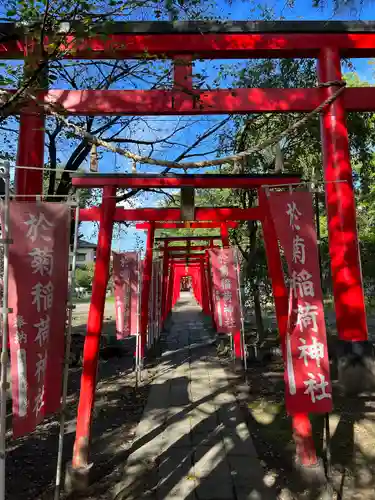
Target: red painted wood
x=204, y=289
x=183, y=72
x=182, y=247
x=94, y=329
x=186, y=225
x=188, y=264
x=207, y=46
x=342, y=226
x=275, y=270
x=222, y=101
x=197, y=181
x=190, y=258
x=173, y=214
x=170, y=290
x=303, y=437
x=164, y=283
x=224, y=235
x=146, y=286
x=186, y=259
x=30, y=154
x=210, y=288
x=237, y=341
x=188, y=238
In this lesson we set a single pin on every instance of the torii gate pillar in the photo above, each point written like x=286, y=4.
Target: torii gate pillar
x=354, y=351
x=146, y=285
x=77, y=476
x=31, y=137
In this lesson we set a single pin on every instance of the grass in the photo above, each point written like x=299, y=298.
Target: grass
x=86, y=300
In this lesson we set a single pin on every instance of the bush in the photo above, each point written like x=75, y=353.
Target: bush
x=84, y=276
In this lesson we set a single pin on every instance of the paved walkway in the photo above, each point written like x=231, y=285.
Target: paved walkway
x=192, y=442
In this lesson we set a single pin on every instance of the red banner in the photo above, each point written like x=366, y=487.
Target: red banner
x=133, y=293
x=120, y=273
x=194, y=272
x=155, y=303
x=226, y=290
x=177, y=275
x=307, y=376
x=38, y=287
x=125, y=277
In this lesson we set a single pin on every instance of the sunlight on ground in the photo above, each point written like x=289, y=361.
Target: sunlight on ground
x=264, y=412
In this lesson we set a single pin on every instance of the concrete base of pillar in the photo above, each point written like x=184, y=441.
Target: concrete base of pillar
x=355, y=366
x=312, y=475
x=77, y=480
x=238, y=366
x=223, y=345
x=153, y=352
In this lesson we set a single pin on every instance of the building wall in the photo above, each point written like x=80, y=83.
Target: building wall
x=85, y=256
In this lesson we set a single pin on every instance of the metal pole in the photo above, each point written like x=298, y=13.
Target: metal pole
x=67, y=356
x=326, y=417
x=317, y=223
x=5, y=311
x=244, y=349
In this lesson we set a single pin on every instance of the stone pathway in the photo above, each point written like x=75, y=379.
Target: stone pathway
x=192, y=442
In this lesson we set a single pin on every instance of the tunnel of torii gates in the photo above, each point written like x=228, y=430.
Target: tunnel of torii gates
x=180, y=261
x=182, y=43
x=193, y=260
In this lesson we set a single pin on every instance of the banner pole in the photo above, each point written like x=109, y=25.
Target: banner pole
x=4, y=169
x=138, y=343
x=326, y=416
x=68, y=345
x=151, y=326
x=244, y=349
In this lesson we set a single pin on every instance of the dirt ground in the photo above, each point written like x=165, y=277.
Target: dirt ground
x=352, y=431
x=31, y=460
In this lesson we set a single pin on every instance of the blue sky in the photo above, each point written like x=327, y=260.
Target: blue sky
x=302, y=11
x=239, y=10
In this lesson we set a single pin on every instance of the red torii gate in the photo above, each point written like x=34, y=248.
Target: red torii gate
x=166, y=302
x=107, y=214
x=181, y=248
x=186, y=225
x=328, y=42
x=197, y=181
x=191, y=255
x=197, y=268
x=172, y=254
